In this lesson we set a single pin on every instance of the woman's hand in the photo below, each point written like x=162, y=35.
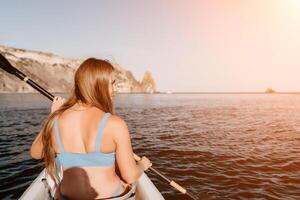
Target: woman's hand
x=57, y=103
x=145, y=163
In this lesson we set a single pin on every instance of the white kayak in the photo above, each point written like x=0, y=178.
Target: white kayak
x=43, y=185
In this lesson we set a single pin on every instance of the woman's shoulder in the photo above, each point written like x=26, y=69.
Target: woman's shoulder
x=116, y=121
x=117, y=125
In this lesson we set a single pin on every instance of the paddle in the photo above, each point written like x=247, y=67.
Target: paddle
x=5, y=65
x=172, y=183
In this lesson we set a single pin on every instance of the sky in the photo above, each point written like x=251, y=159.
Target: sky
x=188, y=46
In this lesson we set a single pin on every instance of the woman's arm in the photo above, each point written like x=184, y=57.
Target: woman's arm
x=129, y=169
x=37, y=147
x=36, y=150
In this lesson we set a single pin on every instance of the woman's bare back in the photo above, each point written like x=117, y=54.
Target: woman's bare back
x=78, y=130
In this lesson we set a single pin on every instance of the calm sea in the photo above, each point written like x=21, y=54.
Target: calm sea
x=227, y=146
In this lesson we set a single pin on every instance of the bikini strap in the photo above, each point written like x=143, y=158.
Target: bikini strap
x=58, y=141
x=119, y=191
x=100, y=132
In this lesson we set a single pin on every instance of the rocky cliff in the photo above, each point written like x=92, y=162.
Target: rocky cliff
x=56, y=73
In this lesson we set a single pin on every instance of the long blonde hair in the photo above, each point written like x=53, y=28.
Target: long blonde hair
x=91, y=87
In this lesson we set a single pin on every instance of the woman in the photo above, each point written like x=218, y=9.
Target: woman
x=86, y=138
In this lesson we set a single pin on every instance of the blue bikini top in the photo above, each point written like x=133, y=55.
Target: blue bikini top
x=85, y=159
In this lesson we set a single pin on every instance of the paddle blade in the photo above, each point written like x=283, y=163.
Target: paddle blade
x=4, y=64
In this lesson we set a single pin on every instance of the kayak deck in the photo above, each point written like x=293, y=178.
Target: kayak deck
x=41, y=186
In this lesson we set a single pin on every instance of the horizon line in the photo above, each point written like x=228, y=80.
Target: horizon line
x=160, y=92
x=191, y=92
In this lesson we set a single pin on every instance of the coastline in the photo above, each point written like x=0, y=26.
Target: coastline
x=29, y=92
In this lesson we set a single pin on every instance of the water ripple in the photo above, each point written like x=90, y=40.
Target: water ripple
x=221, y=146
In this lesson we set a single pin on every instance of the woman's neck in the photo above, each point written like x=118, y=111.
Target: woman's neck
x=79, y=106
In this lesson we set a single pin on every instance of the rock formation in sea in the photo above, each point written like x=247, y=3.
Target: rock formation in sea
x=148, y=83
x=56, y=73
x=270, y=91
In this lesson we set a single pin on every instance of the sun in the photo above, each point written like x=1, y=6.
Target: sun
x=293, y=4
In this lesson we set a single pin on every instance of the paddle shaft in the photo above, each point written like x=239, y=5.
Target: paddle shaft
x=35, y=85
x=4, y=64
x=172, y=183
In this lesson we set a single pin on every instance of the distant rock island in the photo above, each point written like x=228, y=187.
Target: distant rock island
x=269, y=91
x=56, y=73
